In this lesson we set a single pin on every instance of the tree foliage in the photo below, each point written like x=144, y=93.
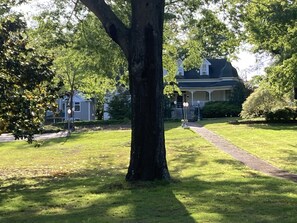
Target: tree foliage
x=26, y=81
x=84, y=57
x=215, y=38
x=271, y=26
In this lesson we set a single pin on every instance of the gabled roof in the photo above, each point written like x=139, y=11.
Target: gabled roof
x=218, y=68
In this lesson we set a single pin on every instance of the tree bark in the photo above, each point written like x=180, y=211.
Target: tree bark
x=148, y=156
x=142, y=45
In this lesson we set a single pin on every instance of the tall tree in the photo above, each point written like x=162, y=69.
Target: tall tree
x=142, y=46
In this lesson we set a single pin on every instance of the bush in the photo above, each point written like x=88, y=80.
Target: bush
x=119, y=107
x=219, y=109
x=283, y=114
x=261, y=102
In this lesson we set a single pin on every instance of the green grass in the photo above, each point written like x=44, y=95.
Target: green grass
x=275, y=143
x=82, y=180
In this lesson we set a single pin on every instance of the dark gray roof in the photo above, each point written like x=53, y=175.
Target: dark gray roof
x=218, y=68
x=206, y=84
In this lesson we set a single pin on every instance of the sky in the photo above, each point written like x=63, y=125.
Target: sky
x=250, y=64
x=246, y=65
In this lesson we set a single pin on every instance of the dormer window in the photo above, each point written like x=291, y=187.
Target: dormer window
x=180, y=67
x=204, y=69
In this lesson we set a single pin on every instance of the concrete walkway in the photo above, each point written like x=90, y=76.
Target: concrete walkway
x=241, y=155
x=9, y=137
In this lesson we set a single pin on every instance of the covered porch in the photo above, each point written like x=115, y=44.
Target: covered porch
x=191, y=101
x=198, y=98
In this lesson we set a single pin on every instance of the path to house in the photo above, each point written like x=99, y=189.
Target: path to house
x=241, y=155
x=10, y=137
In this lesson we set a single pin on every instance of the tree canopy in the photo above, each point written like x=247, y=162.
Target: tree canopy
x=271, y=26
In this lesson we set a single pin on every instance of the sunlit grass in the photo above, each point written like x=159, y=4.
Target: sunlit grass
x=82, y=180
x=275, y=143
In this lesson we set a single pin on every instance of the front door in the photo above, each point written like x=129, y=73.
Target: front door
x=179, y=101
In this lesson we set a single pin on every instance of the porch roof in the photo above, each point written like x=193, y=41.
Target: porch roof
x=198, y=84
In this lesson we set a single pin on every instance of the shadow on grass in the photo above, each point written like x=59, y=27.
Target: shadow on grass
x=96, y=196
x=103, y=196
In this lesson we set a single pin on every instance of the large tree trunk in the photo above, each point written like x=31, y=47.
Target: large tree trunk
x=148, y=156
x=142, y=46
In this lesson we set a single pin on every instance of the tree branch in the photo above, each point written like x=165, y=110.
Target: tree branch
x=114, y=27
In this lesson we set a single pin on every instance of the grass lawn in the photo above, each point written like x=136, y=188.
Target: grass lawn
x=82, y=180
x=275, y=143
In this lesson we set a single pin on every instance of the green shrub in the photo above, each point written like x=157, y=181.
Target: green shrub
x=217, y=109
x=119, y=107
x=261, y=102
x=282, y=114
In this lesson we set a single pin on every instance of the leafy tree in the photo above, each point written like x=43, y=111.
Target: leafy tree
x=214, y=37
x=84, y=57
x=270, y=25
x=26, y=81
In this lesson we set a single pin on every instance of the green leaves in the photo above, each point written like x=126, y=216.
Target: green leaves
x=26, y=81
x=215, y=38
x=270, y=26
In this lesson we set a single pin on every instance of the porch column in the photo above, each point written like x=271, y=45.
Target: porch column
x=209, y=95
x=192, y=93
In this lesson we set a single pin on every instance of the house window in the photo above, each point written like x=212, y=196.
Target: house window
x=77, y=106
x=204, y=69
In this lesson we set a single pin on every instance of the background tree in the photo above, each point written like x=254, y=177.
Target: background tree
x=215, y=38
x=26, y=81
x=84, y=57
x=271, y=27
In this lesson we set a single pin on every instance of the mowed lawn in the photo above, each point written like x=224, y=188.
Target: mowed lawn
x=275, y=143
x=82, y=180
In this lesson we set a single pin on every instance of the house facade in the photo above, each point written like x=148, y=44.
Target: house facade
x=83, y=109
x=212, y=81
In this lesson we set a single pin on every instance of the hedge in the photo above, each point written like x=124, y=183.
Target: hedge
x=282, y=114
x=217, y=109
